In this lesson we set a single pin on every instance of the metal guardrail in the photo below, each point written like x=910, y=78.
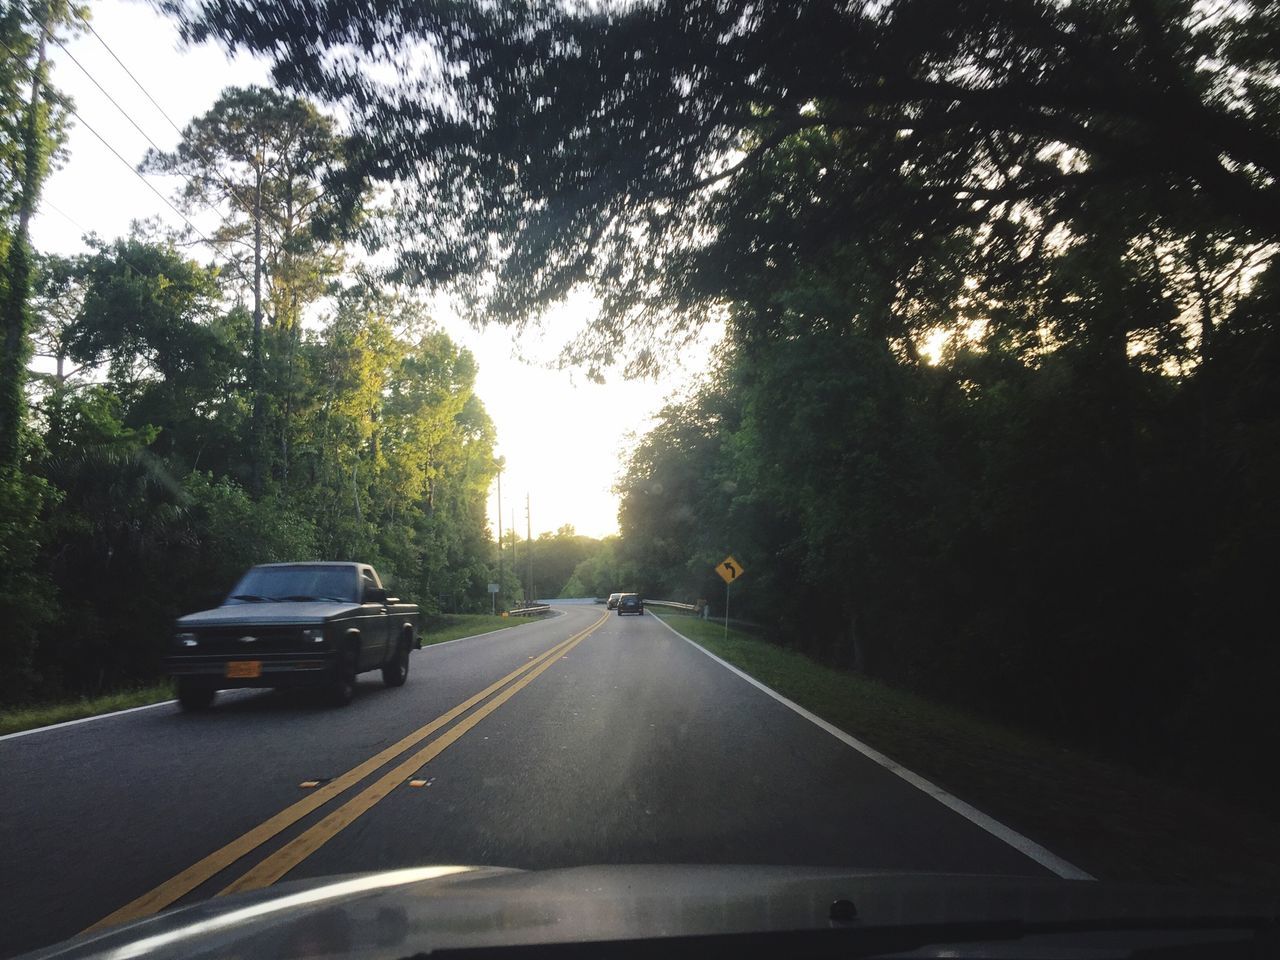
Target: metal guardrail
x=745, y=626
x=534, y=610
x=671, y=603
x=659, y=603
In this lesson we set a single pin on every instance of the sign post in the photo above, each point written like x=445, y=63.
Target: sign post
x=493, y=597
x=729, y=570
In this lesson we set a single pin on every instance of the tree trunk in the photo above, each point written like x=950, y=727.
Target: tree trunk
x=1204, y=373
x=14, y=312
x=859, y=652
x=55, y=410
x=255, y=426
x=293, y=323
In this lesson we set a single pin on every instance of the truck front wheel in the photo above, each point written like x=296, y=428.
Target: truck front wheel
x=342, y=685
x=396, y=670
x=194, y=696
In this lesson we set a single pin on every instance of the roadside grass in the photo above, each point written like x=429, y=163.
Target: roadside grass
x=42, y=715
x=439, y=629
x=453, y=626
x=1102, y=816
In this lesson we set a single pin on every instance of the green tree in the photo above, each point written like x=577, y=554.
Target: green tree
x=151, y=322
x=555, y=558
x=599, y=574
x=231, y=532
x=267, y=162
x=32, y=124
x=396, y=450
x=27, y=597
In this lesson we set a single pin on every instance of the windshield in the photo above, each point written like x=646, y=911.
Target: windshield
x=296, y=583
x=833, y=435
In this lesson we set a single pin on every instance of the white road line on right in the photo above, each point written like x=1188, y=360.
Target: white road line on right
x=1024, y=845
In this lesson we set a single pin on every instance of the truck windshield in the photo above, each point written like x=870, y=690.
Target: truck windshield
x=296, y=583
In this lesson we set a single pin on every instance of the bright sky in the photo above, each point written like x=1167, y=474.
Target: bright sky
x=558, y=432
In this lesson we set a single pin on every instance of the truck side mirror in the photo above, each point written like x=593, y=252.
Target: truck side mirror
x=375, y=595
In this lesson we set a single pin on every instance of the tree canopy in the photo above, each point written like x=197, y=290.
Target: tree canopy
x=542, y=146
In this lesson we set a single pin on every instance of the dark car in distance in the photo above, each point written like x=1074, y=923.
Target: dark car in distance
x=294, y=624
x=630, y=603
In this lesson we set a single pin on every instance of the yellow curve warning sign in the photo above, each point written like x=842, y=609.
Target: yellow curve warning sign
x=729, y=569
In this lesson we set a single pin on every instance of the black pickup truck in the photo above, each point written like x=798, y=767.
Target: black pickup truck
x=295, y=624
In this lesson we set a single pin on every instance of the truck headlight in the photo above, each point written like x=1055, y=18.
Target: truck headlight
x=314, y=634
x=186, y=640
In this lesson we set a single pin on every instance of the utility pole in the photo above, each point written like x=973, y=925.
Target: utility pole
x=528, y=519
x=515, y=553
x=499, y=595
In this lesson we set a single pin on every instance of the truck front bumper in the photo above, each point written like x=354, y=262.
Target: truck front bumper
x=265, y=670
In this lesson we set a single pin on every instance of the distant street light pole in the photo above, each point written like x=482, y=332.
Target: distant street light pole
x=499, y=593
x=528, y=519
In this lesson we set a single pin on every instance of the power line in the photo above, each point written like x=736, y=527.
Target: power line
x=92, y=79
x=213, y=166
x=231, y=188
x=124, y=113
x=235, y=267
x=145, y=92
x=71, y=220
x=116, y=153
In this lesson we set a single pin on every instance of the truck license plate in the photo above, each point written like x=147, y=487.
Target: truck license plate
x=244, y=669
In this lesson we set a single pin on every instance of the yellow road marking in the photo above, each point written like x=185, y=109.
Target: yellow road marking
x=183, y=883
x=298, y=849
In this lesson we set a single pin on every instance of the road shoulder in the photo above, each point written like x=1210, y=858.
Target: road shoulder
x=1110, y=820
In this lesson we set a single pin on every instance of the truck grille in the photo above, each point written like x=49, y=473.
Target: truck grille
x=265, y=640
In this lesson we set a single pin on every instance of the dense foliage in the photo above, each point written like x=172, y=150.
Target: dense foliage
x=32, y=123
x=568, y=564
x=604, y=143
x=996, y=412
x=171, y=441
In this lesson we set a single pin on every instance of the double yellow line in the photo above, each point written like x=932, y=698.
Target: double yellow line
x=295, y=851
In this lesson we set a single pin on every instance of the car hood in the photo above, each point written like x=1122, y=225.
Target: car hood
x=292, y=611
x=418, y=910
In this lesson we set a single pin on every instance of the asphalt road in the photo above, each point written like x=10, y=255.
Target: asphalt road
x=624, y=745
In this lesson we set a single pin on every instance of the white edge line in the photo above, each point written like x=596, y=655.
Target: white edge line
x=1024, y=845
x=161, y=703
x=72, y=723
